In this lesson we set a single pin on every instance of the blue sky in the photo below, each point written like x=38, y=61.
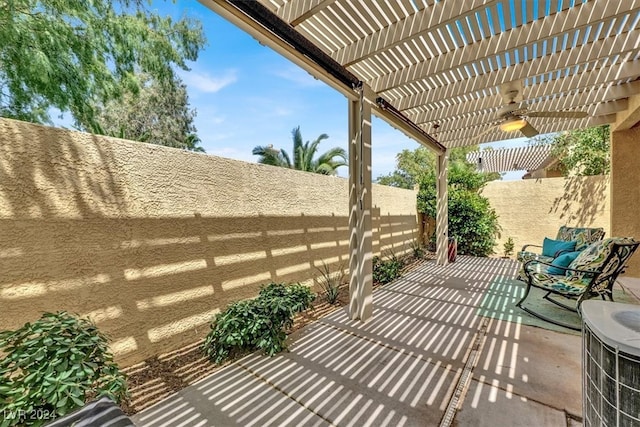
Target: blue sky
x=246, y=95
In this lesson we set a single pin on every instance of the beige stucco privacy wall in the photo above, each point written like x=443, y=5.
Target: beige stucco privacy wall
x=151, y=241
x=532, y=209
x=625, y=187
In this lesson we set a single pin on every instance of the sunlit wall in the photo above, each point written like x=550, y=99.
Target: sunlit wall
x=151, y=241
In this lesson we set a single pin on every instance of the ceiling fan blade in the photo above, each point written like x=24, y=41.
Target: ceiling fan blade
x=559, y=114
x=490, y=129
x=529, y=131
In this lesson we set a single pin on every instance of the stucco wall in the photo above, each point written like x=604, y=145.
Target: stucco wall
x=151, y=241
x=625, y=189
x=530, y=210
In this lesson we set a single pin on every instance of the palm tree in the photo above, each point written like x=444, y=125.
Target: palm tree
x=272, y=156
x=303, y=155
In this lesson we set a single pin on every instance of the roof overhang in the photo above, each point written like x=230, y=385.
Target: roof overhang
x=440, y=64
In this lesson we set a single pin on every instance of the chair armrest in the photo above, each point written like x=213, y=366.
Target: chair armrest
x=535, y=261
x=524, y=248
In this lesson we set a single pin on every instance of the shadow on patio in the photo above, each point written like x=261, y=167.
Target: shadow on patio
x=427, y=356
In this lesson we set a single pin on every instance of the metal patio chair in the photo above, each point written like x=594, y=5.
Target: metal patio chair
x=592, y=274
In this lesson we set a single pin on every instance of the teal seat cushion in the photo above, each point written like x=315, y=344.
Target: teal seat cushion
x=552, y=248
x=562, y=261
x=571, y=287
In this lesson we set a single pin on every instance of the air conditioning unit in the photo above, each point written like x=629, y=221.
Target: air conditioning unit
x=611, y=364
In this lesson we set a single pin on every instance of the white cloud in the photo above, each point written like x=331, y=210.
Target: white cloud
x=282, y=112
x=298, y=76
x=205, y=82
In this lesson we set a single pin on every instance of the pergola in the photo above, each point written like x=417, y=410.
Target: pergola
x=439, y=66
x=527, y=158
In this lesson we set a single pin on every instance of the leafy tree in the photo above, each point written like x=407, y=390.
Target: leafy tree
x=471, y=220
x=583, y=151
x=410, y=166
x=73, y=55
x=158, y=114
x=304, y=155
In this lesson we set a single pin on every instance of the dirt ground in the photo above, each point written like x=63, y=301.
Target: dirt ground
x=158, y=377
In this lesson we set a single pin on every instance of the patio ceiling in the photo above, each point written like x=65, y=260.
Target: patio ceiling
x=443, y=62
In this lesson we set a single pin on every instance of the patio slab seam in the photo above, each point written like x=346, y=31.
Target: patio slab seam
x=439, y=374
x=402, y=351
x=334, y=323
x=425, y=297
x=280, y=390
x=527, y=398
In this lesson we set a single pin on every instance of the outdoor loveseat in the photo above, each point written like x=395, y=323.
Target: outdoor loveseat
x=576, y=238
x=581, y=235
x=593, y=273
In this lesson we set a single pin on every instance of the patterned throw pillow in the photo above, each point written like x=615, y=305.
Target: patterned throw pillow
x=582, y=235
x=593, y=257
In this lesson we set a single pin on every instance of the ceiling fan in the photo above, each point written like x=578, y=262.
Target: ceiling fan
x=512, y=117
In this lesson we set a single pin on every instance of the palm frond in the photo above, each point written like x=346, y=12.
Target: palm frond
x=332, y=154
x=297, y=147
x=269, y=156
x=286, y=159
x=303, y=155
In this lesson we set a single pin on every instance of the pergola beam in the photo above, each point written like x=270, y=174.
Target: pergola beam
x=388, y=111
x=573, y=19
x=630, y=117
x=285, y=41
x=623, y=44
x=539, y=93
x=298, y=11
x=430, y=19
x=267, y=28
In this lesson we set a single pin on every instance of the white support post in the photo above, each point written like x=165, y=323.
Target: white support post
x=360, y=238
x=442, y=223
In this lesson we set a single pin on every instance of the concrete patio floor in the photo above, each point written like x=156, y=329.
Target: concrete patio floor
x=427, y=358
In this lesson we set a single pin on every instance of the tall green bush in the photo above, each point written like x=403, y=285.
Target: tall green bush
x=257, y=324
x=472, y=220
x=52, y=366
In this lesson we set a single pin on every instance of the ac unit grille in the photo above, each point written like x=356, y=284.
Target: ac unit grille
x=611, y=383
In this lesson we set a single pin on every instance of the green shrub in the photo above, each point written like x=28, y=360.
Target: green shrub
x=330, y=282
x=52, y=366
x=257, y=324
x=385, y=271
x=417, y=249
x=472, y=222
